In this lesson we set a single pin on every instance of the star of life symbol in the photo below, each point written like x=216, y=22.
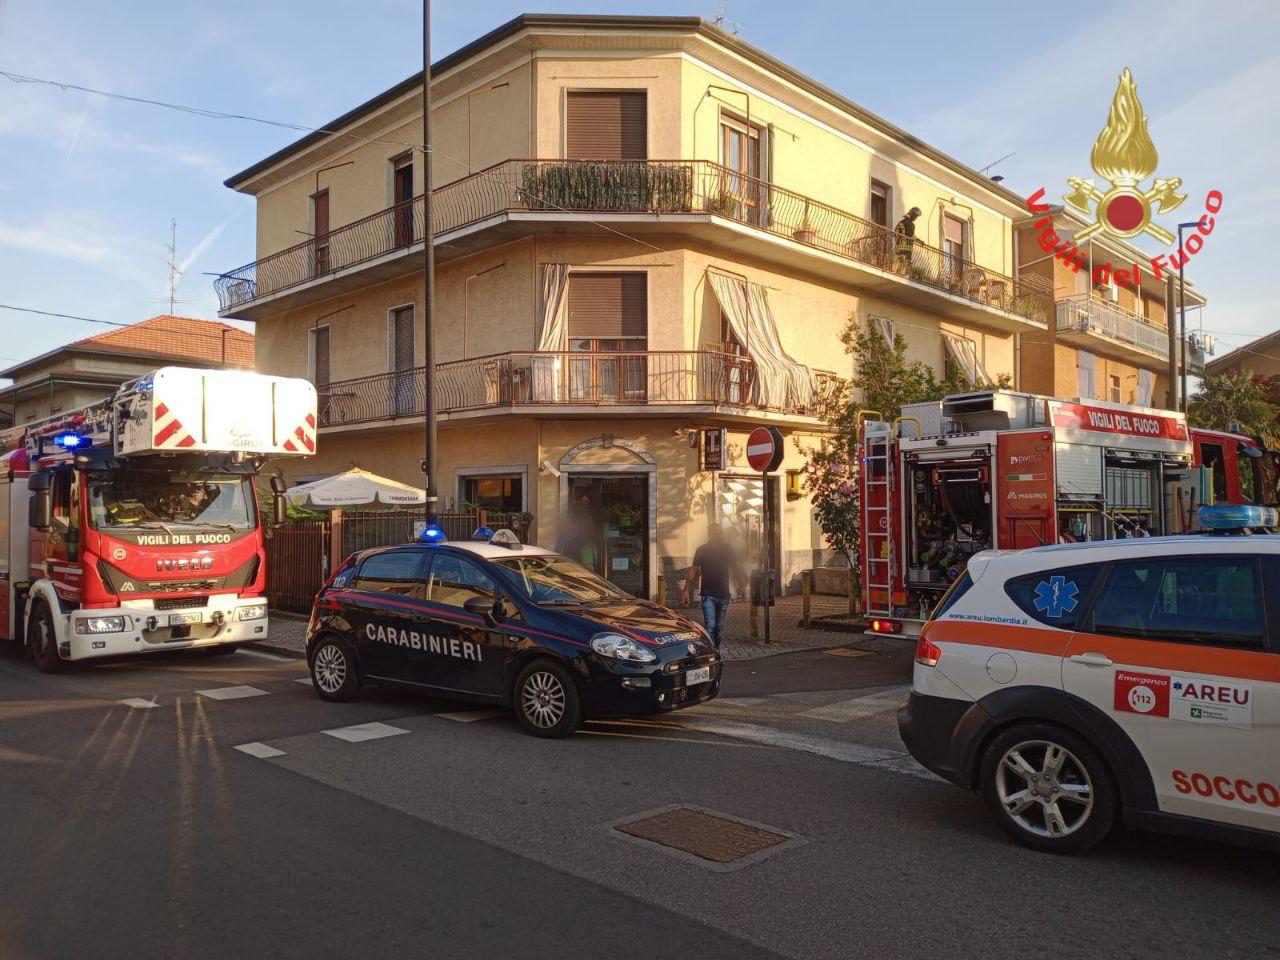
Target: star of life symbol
x=1056, y=596
x=1124, y=156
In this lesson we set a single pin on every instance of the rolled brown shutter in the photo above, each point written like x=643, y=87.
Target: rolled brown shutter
x=403, y=346
x=607, y=126
x=607, y=306
x=321, y=347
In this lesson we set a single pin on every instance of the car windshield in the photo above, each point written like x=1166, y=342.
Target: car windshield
x=558, y=581
x=157, y=501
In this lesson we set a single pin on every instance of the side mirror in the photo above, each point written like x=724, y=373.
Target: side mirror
x=40, y=508
x=480, y=607
x=279, y=509
x=278, y=486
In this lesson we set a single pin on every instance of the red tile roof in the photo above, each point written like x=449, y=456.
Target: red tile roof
x=182, y=338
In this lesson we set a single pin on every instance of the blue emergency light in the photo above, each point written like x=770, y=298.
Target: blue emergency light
x=483, y=534
x=69, y=441
x=432, y=534
x=1238, y=516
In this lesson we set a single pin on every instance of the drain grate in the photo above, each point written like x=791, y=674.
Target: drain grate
x=704, y=837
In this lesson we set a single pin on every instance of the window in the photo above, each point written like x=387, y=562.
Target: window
x=320, y=365
x=884, y=327
x=608, y=314
x=1055, y=597
x=402, y=198
x=395, y=572
x=454, y=581
x=400, y=348
x=495, y=494
x=959, y=587
x=1114, y=392
x=606, y=125
x=962, y=353
x=1211, y=600
x=1214, y=457
x=61, y=485
x=878, y=211
x=320, y=230
x=1085, y=367
x=741, y=155
x=953, y=244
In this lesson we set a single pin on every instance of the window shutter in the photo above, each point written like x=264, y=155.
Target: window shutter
x=320, y=358
x=607, y=126
x=321, y=204
x=607, y=306
x=402, y=345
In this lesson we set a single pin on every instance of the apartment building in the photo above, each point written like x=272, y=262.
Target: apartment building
x=649, y=235
x=87, y=370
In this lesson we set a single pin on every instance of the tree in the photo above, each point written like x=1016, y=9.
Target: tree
x=1236, y=401
x=887, y=380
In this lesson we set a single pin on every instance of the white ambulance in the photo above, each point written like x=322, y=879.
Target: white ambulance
x=1133, y=681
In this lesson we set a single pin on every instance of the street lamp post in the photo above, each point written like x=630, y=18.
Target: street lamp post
x=429, y=269
x=1182, y=309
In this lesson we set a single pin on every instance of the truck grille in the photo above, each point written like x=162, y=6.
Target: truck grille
x=173, y=603
x=183, y=586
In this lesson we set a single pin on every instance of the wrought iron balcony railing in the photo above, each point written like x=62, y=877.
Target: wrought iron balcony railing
x=662, y=187
x=535, y=380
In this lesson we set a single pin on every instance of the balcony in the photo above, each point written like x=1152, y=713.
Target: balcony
x=569, y=384
x=521, y=197
x=1112, y=331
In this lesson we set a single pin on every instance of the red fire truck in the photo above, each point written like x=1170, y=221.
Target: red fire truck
x=132, y=525
x=1005, y=470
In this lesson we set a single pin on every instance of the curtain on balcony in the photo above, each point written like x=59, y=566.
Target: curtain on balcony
x=554, y=334
x=783, y=383
x=964, y=352
x=1146, y=387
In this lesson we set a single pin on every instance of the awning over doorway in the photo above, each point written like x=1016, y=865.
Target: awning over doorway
x=782, y=381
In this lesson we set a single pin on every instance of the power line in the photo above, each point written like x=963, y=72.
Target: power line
x=115, y=323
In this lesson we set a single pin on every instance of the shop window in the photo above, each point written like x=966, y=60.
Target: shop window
x=495, y=494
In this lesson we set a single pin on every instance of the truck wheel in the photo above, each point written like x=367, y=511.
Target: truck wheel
x=546, y=700
x=1048, y=787
x=42, y=641
x=334, y=672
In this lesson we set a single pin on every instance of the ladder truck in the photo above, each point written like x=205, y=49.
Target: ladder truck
x=132, y=525
x=1003, y=470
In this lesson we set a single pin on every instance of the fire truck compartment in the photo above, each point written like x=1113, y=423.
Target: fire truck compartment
x=948, y=519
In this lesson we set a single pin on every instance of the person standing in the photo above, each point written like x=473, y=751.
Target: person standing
x=905, y=240
x=714, y=566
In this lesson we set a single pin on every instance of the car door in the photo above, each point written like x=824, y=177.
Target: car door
x=382, y=610
x=465, y=652
x=1175, y=649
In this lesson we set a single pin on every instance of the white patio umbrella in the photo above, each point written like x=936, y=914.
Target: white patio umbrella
x=355, y=487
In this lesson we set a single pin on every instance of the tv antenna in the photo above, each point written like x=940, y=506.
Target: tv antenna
x=998, y=177
x=725, y=23
x=175, y=272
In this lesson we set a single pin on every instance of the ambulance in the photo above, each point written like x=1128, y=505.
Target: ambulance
x=1076, y=687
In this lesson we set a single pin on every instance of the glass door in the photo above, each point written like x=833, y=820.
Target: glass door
x=740, y=154
x=612, y=513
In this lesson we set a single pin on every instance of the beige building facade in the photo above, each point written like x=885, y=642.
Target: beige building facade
x=649, y=237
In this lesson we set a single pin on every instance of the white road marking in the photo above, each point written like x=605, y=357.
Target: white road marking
x=261, y=655
x=306, y=680
x=893, y=760
x=232, y=693
x=260, y=750
x=470, y=716
x=140, y=703
x=740, y=701
x=859, y=707
x=364, y=731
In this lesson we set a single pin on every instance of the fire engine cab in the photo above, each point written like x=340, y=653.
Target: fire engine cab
x=1006, y=470
x=132, y=525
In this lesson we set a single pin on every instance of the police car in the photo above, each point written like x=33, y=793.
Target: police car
x=496, y=621
x=1133, y=681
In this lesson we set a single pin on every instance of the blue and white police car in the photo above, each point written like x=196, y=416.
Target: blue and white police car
x=493, y=620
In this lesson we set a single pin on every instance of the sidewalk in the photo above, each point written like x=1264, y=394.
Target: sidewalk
x=832, y=627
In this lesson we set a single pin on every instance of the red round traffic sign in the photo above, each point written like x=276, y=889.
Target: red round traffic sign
x=764, y=449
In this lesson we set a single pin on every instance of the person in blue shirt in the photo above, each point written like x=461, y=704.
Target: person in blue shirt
x=714, y=565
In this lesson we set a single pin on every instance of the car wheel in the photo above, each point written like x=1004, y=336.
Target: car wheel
x=546, y=700
x=1049, y=788
x=42, y=641
x=334, y=672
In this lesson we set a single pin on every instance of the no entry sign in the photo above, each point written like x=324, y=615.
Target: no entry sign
x=764, y=449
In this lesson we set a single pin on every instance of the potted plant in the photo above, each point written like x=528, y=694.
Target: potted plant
x=806, y=233
x=723, y=204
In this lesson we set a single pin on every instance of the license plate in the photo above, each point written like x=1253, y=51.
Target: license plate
x=177, y=618
x=696, y=676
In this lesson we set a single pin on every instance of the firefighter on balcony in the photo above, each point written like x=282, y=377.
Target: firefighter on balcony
x=905, y=240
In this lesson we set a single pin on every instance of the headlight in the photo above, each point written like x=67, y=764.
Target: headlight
x=101, y=625
x=622, y=648
x=254, y=612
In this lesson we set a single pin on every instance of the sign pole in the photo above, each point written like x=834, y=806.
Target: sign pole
x=764, y=453
x=768, y=554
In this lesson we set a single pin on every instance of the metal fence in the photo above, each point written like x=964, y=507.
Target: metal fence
x=667, y=187
x=299, y=553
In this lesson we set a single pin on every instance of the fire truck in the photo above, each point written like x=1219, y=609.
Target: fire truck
x=1007, y=470
x=132, y=525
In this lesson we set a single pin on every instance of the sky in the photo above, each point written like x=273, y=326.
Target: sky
x=88, y=186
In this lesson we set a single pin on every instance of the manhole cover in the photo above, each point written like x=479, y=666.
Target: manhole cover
x=846, y=652
x=705, y=837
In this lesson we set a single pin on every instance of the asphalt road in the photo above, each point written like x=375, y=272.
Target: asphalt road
x=144, y=832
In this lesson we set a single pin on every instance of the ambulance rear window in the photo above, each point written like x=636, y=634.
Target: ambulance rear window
x=1054, y=597
x=957, y=590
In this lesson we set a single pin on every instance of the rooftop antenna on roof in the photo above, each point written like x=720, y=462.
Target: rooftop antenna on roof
x=175, y=272
x=724, y=23
x=999, y=176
